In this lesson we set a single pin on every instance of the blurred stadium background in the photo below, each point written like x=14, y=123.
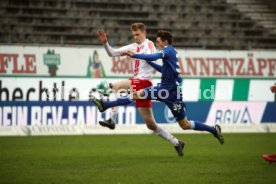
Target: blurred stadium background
x=211, y=24
x=51, y=58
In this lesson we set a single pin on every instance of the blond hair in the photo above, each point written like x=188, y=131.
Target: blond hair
x=138, y=26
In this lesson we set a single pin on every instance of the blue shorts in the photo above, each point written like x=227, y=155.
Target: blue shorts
x=172, y=97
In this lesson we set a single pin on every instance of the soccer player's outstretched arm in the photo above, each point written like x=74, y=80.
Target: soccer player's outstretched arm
x=149, y=57
x=115, y=52
x=155, y=66
x=110, y=51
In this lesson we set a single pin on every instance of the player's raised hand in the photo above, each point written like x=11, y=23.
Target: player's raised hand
x=102, y=36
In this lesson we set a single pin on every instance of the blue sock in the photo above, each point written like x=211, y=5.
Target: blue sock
x=118, y=102
x=196, y=125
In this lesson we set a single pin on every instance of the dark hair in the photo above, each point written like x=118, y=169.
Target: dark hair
x=138, y=26
x=165, y=35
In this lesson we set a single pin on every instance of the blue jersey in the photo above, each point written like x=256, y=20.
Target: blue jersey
x=170, y=81
x=170, y=68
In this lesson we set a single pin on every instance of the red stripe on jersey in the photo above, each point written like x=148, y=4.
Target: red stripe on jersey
x=136, y=67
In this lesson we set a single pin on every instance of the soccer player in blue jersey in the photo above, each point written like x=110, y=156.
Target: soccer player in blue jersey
x=169, y=90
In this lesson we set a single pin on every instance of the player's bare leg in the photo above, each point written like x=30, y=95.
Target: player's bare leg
x=116, y=87
x=121, y=85
x=148, y=117
x=147, y=114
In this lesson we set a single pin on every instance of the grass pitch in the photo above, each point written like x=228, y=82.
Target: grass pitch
x=121, y=159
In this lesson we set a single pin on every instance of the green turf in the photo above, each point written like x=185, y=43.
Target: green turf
x=136, y=159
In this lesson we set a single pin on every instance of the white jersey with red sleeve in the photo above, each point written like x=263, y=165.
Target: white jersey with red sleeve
x=141, y=69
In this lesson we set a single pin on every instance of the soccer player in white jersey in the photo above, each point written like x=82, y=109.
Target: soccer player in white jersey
x=142, y=79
